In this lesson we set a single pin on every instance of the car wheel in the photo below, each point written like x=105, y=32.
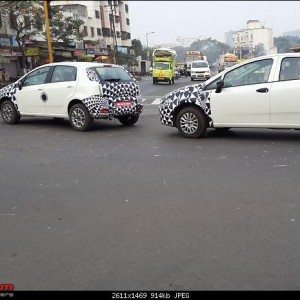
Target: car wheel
x=128, y=120
x=80, y=117
x=173, y=81
x=154, y=82
x=192, y=79
x=191, y=122
x=9, y=113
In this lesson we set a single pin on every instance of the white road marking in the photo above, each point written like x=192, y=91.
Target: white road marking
x=156, y=101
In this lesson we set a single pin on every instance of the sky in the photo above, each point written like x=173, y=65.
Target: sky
x=170, y=19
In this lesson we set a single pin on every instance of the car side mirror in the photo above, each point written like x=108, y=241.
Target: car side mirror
x=20, y=84
x=220, y=85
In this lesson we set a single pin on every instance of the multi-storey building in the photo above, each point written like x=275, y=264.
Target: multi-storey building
x=106, y=23
x=245, y=40
x=9, y=51
x=229, y=37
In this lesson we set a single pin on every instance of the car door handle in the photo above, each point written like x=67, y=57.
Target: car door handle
x=70, y=86
x=262, y=90
x=40, y=89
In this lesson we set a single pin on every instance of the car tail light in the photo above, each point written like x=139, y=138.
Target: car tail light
x=104, y=110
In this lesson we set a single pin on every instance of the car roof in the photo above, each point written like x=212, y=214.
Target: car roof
x=81, y=64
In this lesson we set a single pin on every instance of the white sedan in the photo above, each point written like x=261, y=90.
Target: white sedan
x=260, y=93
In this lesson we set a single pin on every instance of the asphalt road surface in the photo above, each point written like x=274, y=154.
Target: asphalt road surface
x=142, y=208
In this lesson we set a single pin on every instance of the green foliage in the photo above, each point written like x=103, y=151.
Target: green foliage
x=65, y=29
x=284, y=43
x=259, y=50
x=211, y=48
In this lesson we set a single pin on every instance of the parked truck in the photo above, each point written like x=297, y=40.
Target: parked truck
x=164, y=65
x=191, y=56
x=226, y=61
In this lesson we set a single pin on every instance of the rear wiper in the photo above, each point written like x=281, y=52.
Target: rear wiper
x=113, y=79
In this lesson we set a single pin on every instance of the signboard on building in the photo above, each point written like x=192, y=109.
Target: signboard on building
x=122, y=49
x=4, y=42
x=32, y=51
x=66, y=54
x=5, y=52
x=102, y=43
x=4, y=59
x=16, y=53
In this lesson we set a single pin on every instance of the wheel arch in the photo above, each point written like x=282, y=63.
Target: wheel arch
x=4, y=99
x=184, y=105
x=73, y=102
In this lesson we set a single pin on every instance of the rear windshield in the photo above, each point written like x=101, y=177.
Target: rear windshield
x=161, y=66
x=113, y=74
x=199, y=64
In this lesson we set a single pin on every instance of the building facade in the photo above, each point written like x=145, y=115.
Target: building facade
x=106, y=23
x=245, y=40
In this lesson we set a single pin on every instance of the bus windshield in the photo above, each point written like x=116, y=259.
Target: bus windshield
x=161, y=66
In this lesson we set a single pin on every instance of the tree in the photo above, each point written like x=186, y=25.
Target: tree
x=211, y=48
x=284, y=43
x=65, y=29
x=259, y=50
x=24, y=17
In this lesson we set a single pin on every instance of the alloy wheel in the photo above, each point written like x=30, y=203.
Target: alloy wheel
x=189, y=123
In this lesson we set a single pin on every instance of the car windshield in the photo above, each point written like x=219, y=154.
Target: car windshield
x=161, y=66
x=116, y=74
x=199, y=65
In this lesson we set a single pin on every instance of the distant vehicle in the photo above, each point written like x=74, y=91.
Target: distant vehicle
x=79, y=91
x=143, y=68
x=200, y=70
x=259, y=93
x=226, y=61
x=191, y=56
x=182, y=67
x=164, y=65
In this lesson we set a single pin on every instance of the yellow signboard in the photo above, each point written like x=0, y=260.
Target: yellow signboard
x=33, y=51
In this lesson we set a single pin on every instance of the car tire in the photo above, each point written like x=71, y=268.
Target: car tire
x=170, y=81
x=9, y=113
x=80, y=118
x=191, y=122
x=173, y=81
x=154, y=81
x=128, y=120
x=192, y=79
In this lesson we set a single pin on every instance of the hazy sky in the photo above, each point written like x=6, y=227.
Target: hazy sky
x=170, y=19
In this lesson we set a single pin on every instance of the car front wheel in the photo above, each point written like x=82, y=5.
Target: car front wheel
x=9, y=113
x=128, y=120
x=191, y=122
x=80, y=117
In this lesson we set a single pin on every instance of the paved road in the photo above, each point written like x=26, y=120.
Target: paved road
x=143, y=208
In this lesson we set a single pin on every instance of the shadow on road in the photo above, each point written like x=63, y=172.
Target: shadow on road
x=248, y=135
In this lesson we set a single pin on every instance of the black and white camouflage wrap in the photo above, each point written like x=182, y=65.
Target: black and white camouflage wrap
x=193, y=94
x=113, y=92
x=10, y=93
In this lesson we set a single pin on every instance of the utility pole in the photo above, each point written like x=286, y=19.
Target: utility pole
x=113, y=9
x=48, y=31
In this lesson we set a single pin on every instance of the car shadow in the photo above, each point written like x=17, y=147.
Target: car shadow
x=248, y=135
x=101, y=125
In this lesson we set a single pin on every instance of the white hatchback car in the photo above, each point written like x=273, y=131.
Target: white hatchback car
x=262, y=92
x=79, y=91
